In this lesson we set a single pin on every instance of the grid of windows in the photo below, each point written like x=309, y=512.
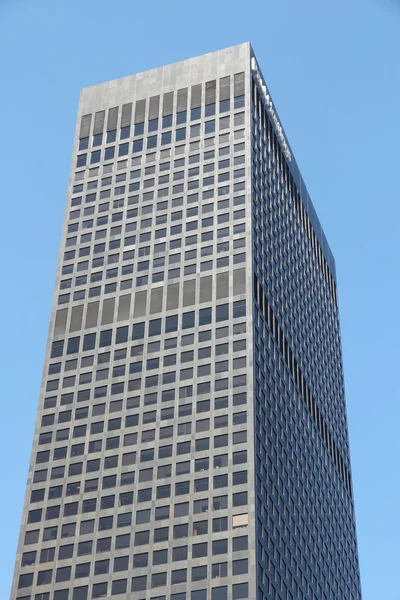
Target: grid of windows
x=191, y=441
x=140, y=473
x=303, y=481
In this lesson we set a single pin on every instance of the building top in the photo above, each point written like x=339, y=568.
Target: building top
x=166, y=78
x=189, y=72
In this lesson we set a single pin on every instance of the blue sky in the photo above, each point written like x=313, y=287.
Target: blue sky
x=333, y=72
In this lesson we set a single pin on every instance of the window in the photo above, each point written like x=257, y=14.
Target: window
x=111, y=136
x=239, y=478
x=59, y=595
x=109, y=155
x=199, y=573
x=95, y=157
x=240, y=590
x=158, y=580
x=167, y=136
x=126, y=498
x=222, y=312
x=29, y=558
x=160, y=557
x=139, y=583
x=119, y=586
x=138, y=331
x=219, y=570
x=239, y=309
x=63, y=574
x=219, y=593
x=141, y=538
x=220, y=502
x=140, y=560
x=103, y=545
x=240, y=436
x=123, y=541
x=68, y=530
x=180, y=134
x=50, y=533
x=199, y=550
x=200, y=527
x=220, y=524
x=63, y=552
x=80, y=593
x=35, y=516
x=121, y=563
x=178, y=576
x=82, y=570
x=81, y=160
x=139, y=129
x=44, y=577
x=205, y=316
x=180, y=118
x=161, y=534
x=31, y=537
x=137, y=144
x=84, y=548
x=209, y=126
x=99, y=590
x=155, y=327
x=188, y=320
x=143, y=516
x=182, y=488
x=179, y=553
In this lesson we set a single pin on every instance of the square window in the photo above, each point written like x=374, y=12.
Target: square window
x=240, y=590
x=219, y=593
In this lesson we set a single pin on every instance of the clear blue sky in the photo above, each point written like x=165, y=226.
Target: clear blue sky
x=333, y=71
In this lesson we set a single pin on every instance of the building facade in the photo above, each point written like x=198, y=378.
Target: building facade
x=191, y=439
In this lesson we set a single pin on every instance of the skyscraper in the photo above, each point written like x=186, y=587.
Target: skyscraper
x=191, y=439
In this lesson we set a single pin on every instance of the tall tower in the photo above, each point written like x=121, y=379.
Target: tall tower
x=191, y=439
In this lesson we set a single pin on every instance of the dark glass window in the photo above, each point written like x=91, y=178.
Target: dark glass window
x=125, y=132
x=224, y=105
x=109, y=153
x=205, y=316
x=97, y=139
x=29, y=558
x=95, y=157
x=181, y=117
x=240, y=590
x=99, y=590
x=239, y=101
x=111, y=136
x=153, y=125
x=89, y=341
x=122, y=335
x=166, y=137
x=239, y=309
x=83, y=143
x=81, y=160
x=209, y=126
x=119, y=586
x=180, y=135
x=195, y=113
x=167, y=121
x=138, y=331
x=151, y=142
x=188, y=320
x=73, y=345
x=137, y=144
x=222, y=312
x=178, y=576
x=155, y=327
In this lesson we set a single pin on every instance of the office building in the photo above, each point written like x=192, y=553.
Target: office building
x=191, y=440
